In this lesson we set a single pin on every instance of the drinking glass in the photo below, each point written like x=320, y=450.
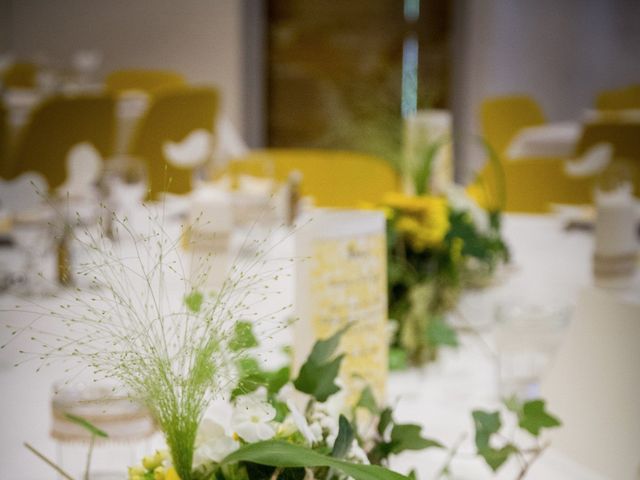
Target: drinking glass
x=527, y=337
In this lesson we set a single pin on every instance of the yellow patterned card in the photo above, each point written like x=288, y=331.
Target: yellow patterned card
x=342, y=281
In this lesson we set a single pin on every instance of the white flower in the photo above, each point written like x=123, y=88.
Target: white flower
x=357, y=454
x=252, y=417
x=213, y=443
x=301, y=424
x=214, y=440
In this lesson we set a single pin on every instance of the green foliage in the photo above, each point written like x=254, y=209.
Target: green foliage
x=344, y=439
x=193, y=301
x=409, y=437
x=280, y=454
x=88, y=426
x=367, y=400
x=318, y=374
x=533, y=417
x=243, y=337
x=439, y=333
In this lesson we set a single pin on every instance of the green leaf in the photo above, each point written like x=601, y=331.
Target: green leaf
x=280, y=454
x=534, y=417
x=317, y=375
x=397, y=359
x=367, y=400
x=496, y=457
x=440, y=333
x=318, y=380
x=193, y=301
x=323, y=350
x=88, y=426
x=486, y=424
x=243, y=337
x=344, y=439
x=386, y=417
x=408, y=437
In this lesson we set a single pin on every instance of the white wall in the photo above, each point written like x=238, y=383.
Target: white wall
x=560, y=52
x=200, y=38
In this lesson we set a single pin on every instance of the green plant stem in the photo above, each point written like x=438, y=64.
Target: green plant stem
x=48, y=461
x=452, y=453
x=89, y=453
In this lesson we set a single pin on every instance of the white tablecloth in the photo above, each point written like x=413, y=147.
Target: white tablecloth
x=549, y=265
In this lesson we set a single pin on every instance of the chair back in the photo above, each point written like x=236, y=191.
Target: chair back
x=619, y=99
x=624, y=138
x=20, y=75
x=172, y=115
x=149, y=81
x=502, y=117
x=55, y=127
x=334, y=178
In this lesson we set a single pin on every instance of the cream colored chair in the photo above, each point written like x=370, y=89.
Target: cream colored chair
x=172, y=115
x=55, y=126
x=333, y=178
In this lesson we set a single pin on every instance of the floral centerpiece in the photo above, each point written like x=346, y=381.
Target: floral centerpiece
x=438, y=244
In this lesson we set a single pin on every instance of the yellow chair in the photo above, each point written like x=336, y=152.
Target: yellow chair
x=58, y=124
x=20, y=75
x=148, y=81
x=172, y=115
x=530, y=184
x=619, y=99
x=334, y=178
x=624, y=138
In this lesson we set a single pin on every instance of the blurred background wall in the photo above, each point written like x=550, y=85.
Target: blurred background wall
x=203, y=39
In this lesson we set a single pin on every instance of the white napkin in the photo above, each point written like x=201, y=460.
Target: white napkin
x=191, y=152
x=84, y=166
x=592, y=162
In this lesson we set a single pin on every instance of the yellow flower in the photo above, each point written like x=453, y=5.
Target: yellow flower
x=407, y=224
x=171, y=474
x=136, y=472
x=159, y=473
x=151, y=462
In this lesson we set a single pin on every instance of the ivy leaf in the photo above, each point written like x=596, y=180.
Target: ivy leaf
x=318, y=380
x=344, y=439
x=486, y=424
x=243, y=337
x=408, y=437
x=323, y=350
x=386, y=417
x=534, y=417
x=496, y=457
x=368, y=401
x=440, y=333
x=193, y=301
x=318, y=374
x=88, y=426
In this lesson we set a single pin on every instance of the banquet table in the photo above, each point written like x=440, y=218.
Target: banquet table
x=549, y=265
